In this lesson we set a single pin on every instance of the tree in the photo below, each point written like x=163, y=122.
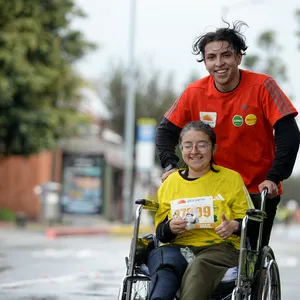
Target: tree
x=152, y=98
x=267, y=60
x=38, y=87
x=194, y=75
x=115, y=98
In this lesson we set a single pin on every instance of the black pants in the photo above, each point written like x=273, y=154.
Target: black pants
x=253, y=227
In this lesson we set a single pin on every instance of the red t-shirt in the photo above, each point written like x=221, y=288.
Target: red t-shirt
x=243, y=121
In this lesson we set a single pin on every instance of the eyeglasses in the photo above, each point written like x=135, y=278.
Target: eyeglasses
x=200, y=146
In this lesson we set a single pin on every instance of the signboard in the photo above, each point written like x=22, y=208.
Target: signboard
x=145, y=146
x=82, y=190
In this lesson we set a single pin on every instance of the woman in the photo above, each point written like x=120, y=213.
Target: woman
x=198, y=220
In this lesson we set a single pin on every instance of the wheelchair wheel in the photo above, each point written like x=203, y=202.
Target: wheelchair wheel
x=136, y=288
x=267, y=280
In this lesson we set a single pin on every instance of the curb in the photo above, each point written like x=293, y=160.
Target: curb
x=55, y=232
x=107, y=229
x=4, y=224
x=117, y=230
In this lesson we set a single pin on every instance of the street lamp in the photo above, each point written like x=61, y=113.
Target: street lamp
x=129, y=120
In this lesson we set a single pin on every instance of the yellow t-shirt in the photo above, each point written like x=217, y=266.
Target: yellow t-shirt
x=228, y=193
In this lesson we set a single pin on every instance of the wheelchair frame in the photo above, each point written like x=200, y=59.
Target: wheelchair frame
x=258, y=274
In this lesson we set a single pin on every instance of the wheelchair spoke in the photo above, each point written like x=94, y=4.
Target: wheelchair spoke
x=140, y=290
x=267, y=285
x=136, y=288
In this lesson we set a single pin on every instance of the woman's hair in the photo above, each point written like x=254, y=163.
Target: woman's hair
x=205, y=128
x=233, y=36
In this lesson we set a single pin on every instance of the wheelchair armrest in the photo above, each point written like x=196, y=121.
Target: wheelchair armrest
x=147, y=204
x=256, y=214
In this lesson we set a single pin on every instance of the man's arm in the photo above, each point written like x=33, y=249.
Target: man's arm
x=287, y=139
x=166, y=139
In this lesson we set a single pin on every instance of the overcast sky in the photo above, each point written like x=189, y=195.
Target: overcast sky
x=166, y=29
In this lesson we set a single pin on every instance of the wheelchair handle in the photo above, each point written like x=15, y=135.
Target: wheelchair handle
x=263, y=196
x=263, y=215
x=256, y=214
x=147, y=204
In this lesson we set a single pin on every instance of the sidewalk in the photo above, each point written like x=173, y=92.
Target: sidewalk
x=79, y=225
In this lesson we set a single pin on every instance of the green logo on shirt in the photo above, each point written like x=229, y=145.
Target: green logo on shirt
x=237, y=121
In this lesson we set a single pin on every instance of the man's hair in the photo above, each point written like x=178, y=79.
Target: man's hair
x=233, y=36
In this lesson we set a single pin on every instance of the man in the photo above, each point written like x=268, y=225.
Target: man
x=252, y=117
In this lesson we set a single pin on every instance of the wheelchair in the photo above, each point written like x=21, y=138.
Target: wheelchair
x=256, y=277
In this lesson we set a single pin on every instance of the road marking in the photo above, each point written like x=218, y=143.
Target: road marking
x=45, y=279
x=54, y=253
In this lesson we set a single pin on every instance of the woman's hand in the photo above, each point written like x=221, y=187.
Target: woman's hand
x=178, y=225
x=227, y=227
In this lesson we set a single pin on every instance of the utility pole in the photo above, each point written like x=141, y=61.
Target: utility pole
x=129, y=121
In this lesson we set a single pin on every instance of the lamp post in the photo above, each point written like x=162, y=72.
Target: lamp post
x=129, y=120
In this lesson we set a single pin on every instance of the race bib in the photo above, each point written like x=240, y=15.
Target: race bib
x=199, y=211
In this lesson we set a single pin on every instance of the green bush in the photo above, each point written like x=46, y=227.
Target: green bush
x=7, y=215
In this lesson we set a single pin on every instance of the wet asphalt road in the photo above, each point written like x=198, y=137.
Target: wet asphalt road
x=33, y=267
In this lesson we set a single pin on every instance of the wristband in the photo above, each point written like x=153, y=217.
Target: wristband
x=170, y=167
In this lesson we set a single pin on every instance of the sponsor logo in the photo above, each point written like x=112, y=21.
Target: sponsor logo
x=219, y=197
x=181, y=201
x=209, y=118
x=237, y=120
x=250, y=119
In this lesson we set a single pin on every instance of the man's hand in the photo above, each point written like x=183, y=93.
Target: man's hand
x=272, y=188
x=227, y=227
x=178, y=225
x=165, y=175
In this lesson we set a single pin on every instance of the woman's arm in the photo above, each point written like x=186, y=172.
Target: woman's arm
x=164, y=233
